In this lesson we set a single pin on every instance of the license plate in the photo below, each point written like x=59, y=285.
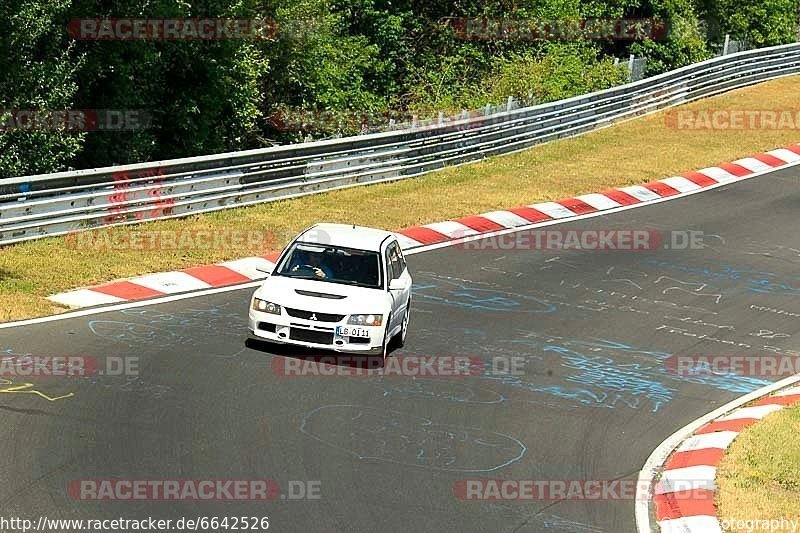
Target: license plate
x=345, y=331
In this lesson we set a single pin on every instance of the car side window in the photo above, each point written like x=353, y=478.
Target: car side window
x=403, y=264
x=394, y=257
x=389, y=269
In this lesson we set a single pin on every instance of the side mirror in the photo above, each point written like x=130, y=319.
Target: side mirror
x=398, y=284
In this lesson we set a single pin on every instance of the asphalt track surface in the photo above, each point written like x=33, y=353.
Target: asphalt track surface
x=593, y=399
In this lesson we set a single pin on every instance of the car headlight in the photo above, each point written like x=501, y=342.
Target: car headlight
x=365, y=320
x=266, y=307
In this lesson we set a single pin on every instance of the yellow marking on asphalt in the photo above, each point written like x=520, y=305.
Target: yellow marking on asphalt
x=24, y=389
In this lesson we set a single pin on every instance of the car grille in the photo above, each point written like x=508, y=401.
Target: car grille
x=307, y=335
x=306, y=315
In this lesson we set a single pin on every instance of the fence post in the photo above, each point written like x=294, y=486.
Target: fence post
x=727, y=44
x=510, y=103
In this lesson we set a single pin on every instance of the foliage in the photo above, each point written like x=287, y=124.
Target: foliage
x=380, y=58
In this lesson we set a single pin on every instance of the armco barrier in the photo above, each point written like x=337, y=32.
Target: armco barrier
x=55, y=204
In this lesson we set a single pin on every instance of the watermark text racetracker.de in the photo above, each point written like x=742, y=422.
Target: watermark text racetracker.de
x=192, y=490
x=733, y=119
x=399, y=366
x=511, y=490
x=167, y=240
x=495, y=29
x=758, y=365
x=623, y=240
x=171, y=29
x=30, y=365
x=74, y=120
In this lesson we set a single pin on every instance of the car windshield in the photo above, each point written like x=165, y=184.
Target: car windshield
x=332, y=264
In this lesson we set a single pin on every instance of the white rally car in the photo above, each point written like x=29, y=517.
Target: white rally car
x=336, y=287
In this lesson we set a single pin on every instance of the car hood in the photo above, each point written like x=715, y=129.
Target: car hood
x=323, y=297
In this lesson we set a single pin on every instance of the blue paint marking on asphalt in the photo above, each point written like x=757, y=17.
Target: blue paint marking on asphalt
x=461, y=295
x=367, y=433
x=443, y=390
x=754, y=280
x=602, y=382
x=152, y=327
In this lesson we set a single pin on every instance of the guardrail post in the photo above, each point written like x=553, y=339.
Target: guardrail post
x=727, y=44
x=510, y=103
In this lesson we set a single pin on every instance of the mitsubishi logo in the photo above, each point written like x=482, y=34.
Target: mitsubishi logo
x=313, y=316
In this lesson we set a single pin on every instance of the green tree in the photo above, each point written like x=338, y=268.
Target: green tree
x=39, y=69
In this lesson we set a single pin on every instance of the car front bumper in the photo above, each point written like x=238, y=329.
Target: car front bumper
x=283, y=329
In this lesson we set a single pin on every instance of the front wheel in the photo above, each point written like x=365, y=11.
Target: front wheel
x=387, y=341
x=401, y=339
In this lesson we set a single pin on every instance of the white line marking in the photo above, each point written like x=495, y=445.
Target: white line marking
x=84, y=298
x=718, y=439
x=451, y=228
x=248, y=266
x=689, y=478
x=641, y=193
x=127, y=305
x=598, y=201
x=680, y=184
x=506, y=219
x=785, y=155
x=718, y=174
x=553, y=210
x=757, y=412
x=170, y=282
x=752, y=164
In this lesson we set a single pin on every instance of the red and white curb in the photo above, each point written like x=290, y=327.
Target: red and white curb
x=684, y=496
x=163, y=283
x=246, y=270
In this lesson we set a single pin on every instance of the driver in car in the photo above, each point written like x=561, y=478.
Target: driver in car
x=313, y=262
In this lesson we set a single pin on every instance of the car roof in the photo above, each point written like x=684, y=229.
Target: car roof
x=346, y=235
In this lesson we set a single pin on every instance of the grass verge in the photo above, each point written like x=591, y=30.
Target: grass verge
x=634, y=152
x=759, y=477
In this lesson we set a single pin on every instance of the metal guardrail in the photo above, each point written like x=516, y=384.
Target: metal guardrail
x=32, y=207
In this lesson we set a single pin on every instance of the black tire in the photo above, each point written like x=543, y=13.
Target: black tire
x=387, y=346
x=401, y=337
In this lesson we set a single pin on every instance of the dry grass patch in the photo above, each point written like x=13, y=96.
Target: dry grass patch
x=634, y=152
x=759, y=477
